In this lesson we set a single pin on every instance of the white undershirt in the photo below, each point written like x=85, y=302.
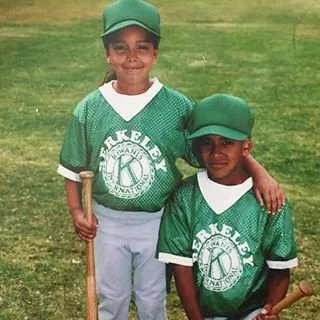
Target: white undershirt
x=220, y=197
x=127, y=106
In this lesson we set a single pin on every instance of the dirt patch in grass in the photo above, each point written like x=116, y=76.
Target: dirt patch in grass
x=308, y=31
x=17, y=32
x=51, y=12
x=66, y=12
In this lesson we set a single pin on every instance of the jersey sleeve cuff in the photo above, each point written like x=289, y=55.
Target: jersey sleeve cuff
x=68, y=173
x=282, y=264
x=171, y=258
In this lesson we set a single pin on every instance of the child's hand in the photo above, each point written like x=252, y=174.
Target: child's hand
x=268, y=192
x=265, y=314
x=83, y=228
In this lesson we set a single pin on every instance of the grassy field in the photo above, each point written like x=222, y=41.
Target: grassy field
x=51, y=57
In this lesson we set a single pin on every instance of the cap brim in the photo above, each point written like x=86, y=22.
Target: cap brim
x=220, y=131
x=128, y=23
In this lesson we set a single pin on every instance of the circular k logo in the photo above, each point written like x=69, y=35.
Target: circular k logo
x=128, y=170
x=220, y=263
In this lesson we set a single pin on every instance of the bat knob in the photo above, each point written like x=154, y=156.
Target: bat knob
x=306, y=288
x=86, y=174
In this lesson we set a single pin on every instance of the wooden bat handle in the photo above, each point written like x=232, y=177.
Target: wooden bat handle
x=91, y=295
x=304, y=289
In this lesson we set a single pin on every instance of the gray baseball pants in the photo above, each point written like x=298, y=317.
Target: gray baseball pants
x=125, y=264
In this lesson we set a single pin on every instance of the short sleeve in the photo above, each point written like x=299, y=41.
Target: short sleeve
x=280, y=248
x=175, y=240
x=185, y=108
x=74, y=153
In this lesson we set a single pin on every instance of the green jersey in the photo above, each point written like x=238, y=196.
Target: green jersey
x=229, y=240
x=131, y=143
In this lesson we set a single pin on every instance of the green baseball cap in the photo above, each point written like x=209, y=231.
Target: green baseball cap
x=125, y=13
x=223, y=115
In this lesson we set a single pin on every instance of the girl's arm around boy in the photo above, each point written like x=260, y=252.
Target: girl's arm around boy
x=267, y=190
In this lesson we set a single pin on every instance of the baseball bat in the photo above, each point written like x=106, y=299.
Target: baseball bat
x=303, y=289
x=91, y=295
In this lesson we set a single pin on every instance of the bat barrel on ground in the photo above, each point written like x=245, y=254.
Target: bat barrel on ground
x=91, y=295
x=304, y=289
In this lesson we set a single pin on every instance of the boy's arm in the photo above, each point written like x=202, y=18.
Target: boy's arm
x=278, y=283
x=266, y=189
x=81, y=224
x=186, y=288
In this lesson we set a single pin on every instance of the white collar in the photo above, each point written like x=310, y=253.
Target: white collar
x=127, y=106
x=221, y=197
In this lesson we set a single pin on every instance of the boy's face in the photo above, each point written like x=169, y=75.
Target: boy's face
x=223, y=158
x=132, y=56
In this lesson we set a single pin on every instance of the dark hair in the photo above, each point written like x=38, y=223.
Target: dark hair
x=196, y=146
x=109, y=76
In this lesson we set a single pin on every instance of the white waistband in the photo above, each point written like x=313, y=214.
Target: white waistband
x=247, y=317
x=101, y=210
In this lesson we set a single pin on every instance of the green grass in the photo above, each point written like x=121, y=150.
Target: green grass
x=51, y=57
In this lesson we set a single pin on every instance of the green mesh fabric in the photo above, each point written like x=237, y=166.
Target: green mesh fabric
x=229, y=251
x=133, y=161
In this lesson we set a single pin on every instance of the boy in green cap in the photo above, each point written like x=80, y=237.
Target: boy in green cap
x=130, y=133
x=230, y=259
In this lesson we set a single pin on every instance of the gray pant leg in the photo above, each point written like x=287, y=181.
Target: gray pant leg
x=149, y=280
x=113, y=270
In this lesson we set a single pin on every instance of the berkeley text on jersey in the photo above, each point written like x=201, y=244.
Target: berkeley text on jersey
x=221, y=256
x=128, y=162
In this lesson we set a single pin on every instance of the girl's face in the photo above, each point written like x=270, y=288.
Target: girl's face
x=132, y=57
x=223, y=158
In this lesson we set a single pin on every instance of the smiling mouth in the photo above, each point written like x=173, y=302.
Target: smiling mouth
x=218, y=165
x=133, y=69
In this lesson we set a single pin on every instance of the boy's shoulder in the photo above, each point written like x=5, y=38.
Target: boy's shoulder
x=187, y=186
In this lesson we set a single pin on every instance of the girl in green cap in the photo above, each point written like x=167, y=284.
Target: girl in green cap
x=130, y=132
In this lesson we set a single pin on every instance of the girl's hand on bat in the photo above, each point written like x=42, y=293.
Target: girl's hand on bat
x=84, y=229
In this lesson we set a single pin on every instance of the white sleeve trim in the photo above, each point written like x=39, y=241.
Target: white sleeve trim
x=171, y=258
x=282, y=264
x=68, y=174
